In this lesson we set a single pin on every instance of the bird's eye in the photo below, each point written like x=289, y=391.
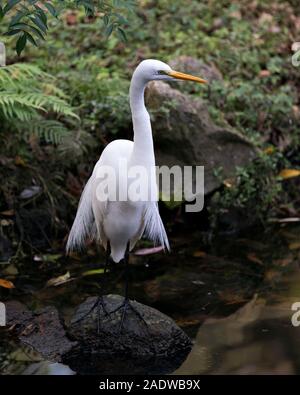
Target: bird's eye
x=161, y=72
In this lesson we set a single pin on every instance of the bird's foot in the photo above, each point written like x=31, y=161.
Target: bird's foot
x=124, y=307
x=99, y=303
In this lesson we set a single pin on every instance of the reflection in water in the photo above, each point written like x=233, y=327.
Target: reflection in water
x=121, y=365
x=259, y=338
x=234, y=300
x=49, y=369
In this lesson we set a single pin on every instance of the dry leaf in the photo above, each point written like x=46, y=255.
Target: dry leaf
x=264, y=73
x=272, y=275
x=230, y=298
x=6, y=222
x=283, y=262
x=47, y=257
x=254, y=258
x=8, y=213
x=295, y=245
x=229, y=182
x=148, y=251
x=19, y=161
x=71, y=18
x=296, y=112
x=296, y=46
x=289, y=173
x=269, y=150
x=189, y=322
x=236, y=14
x=199, y=254
x=286, y=220
x=265, y=18
x=6, y=284
x=54, y=282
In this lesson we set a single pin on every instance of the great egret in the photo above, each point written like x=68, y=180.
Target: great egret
x=116, y=224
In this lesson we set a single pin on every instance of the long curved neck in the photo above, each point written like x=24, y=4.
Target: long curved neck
x=143, y=142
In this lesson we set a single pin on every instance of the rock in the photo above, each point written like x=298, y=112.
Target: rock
x=160, y=347
x=30, y=192
x=155, y=334
x=42, y=330
x=6, y=250
x=190, y=65
x=48, y=368
x=36, y=224
x=185, y=135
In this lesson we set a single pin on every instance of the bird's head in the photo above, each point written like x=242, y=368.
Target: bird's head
x=151, y=69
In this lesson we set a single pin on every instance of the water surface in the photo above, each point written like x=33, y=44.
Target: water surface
x=233, y=298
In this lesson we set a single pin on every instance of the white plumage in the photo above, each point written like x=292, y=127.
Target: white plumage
x=116, y=221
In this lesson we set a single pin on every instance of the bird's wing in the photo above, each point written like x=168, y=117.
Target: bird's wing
x=152, y=227
x=84, y=226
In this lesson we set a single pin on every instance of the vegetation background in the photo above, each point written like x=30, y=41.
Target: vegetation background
x=62, y=101
x=64, y=96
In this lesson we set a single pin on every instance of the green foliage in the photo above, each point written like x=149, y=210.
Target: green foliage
x=259, y=93
x=29, y=19
x=103, y=101
x=26, y=94
x=247, y=105
x=254, y=189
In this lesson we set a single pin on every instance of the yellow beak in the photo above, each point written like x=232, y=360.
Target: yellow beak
x=186, y=77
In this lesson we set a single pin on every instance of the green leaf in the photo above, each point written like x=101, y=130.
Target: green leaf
x=41, y=14
x=51, y=257
x=106, y=19
x=121, y=34
x=20, y=45
x=109, y=30
x=18, y=16
x=19, y=25
x=88, y=6
x=93, y=272
x=26, y=27
x=10, y=4
x=31, y=39
x=36, y=31
x=51, y=9
x=39, y=23
x=12, y=32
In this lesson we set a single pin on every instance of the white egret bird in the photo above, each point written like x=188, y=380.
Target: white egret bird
x=117, y=224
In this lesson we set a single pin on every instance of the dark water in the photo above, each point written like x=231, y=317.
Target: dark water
x=233, y=298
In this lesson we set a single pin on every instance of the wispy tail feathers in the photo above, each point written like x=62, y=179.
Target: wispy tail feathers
x=154, y=227
x=84, y=223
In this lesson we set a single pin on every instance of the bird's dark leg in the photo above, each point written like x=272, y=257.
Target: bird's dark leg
x=126, y=259
x=99, y=301
x=126, y=298
x=126, y=303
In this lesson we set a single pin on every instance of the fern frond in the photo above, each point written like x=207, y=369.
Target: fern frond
x=21, y=72
x=49, y=131
x=16, y=105
x=27, y=94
